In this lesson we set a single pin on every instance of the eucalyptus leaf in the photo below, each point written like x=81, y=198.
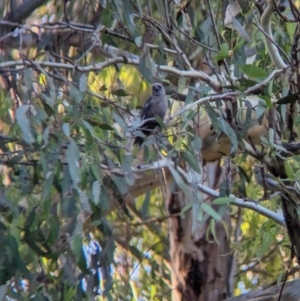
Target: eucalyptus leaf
x=75, y=93
x=119, y=7
x=145, y=67
x=227, y=129
x=96, y=189
x=222, y=201
x=91, y=130
x=28, y=79
x=224, y=50
x=120, y=184
x=127, y=12
x=253, y=71
x=83, y=83
x=23, y=122
x=84, y=202
x=186, y=207
x=209, y=210
x=72, y=155
x=197, y=143
x=289, y=171
x=179, y=181
x=240, y=29
x=191, y=160
x=66, y=129
x=146, y=203
x=119, y=121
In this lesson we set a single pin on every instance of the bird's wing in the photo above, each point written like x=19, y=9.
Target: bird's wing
x=147, y=111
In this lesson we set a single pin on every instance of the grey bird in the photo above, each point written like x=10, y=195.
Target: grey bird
x=273, y=184
x=156, y=104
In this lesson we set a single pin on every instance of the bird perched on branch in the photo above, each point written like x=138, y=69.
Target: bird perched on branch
x=156, y=104
x=271, y=183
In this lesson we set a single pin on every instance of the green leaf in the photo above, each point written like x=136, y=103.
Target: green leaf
x=209, y=210
x=253, y=71
x=48, y=104
x=84, y=202
x=138, y=41
x=227, y=129
x=220, y=123
x=290, y=27
x=197, y=143
x=82, y=83
x=191, y=160
x=246, y=82
x=75, y=93
x=146, y=203
x=222, y=201
x=289, y=171
x=126, y=167
x=119, y=120
x=23, y=122
x=212, y=229
x=186, y=207
x=127, y=12
x=179, y=181
x=66, y=129
x=73, y=161
x=190, y=96
x=146, y=67
x=105, y=126
x=91, y=130
x=48, y=184
x=95, y=172
x=121, y=184
x=96, y=223
x=96, y=189
x=104, y=198
x=69, y=293
x=240, y=29
x=119, y=7
x=28, y=80
x=224, y=50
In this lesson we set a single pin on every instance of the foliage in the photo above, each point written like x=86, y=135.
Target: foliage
x=70, y=228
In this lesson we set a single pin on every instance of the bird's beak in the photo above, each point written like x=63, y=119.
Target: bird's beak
x=156, y=88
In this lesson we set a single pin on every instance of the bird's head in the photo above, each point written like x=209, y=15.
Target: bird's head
x=158, y=89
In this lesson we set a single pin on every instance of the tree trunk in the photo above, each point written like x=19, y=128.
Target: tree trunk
x=200, y=265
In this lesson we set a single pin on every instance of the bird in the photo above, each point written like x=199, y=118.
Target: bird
x=273, y=184
x=156, y=104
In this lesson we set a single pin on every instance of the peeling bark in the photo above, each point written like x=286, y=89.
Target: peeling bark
x=200, y=265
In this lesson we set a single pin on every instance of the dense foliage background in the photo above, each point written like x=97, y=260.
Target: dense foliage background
x=79, y=217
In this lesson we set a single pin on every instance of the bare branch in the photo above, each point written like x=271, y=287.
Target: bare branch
x=131, y=61
x=266, y=25
x=228, y=94
x=253, y=205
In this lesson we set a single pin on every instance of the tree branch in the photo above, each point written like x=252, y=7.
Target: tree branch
x=126, y=60
x=253, y=205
